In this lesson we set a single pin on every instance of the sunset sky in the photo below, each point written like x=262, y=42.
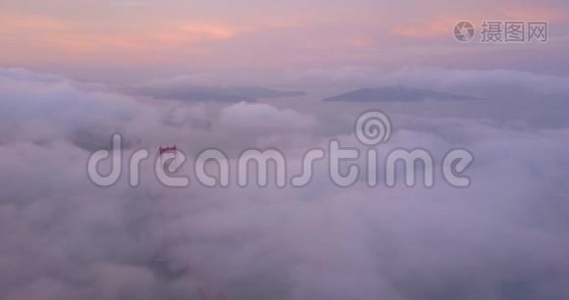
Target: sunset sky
x=120, y=39
x=370, y=77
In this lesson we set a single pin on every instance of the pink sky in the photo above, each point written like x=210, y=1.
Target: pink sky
x=100, y=36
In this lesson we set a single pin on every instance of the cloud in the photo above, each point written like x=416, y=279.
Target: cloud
x=504, y=237
x=263, y=118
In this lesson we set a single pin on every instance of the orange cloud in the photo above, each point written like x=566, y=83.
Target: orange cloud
x=211, y=31
x=30, y=23
x=532, y=14
x=358, y=43
x=181, y=34
x=433, y=29
x=52, y=38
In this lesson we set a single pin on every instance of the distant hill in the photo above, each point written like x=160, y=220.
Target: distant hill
x=395, y=93
x=216, y=94
x=260, y=92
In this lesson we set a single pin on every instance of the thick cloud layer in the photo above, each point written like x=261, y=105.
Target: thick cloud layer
x=504, y=237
